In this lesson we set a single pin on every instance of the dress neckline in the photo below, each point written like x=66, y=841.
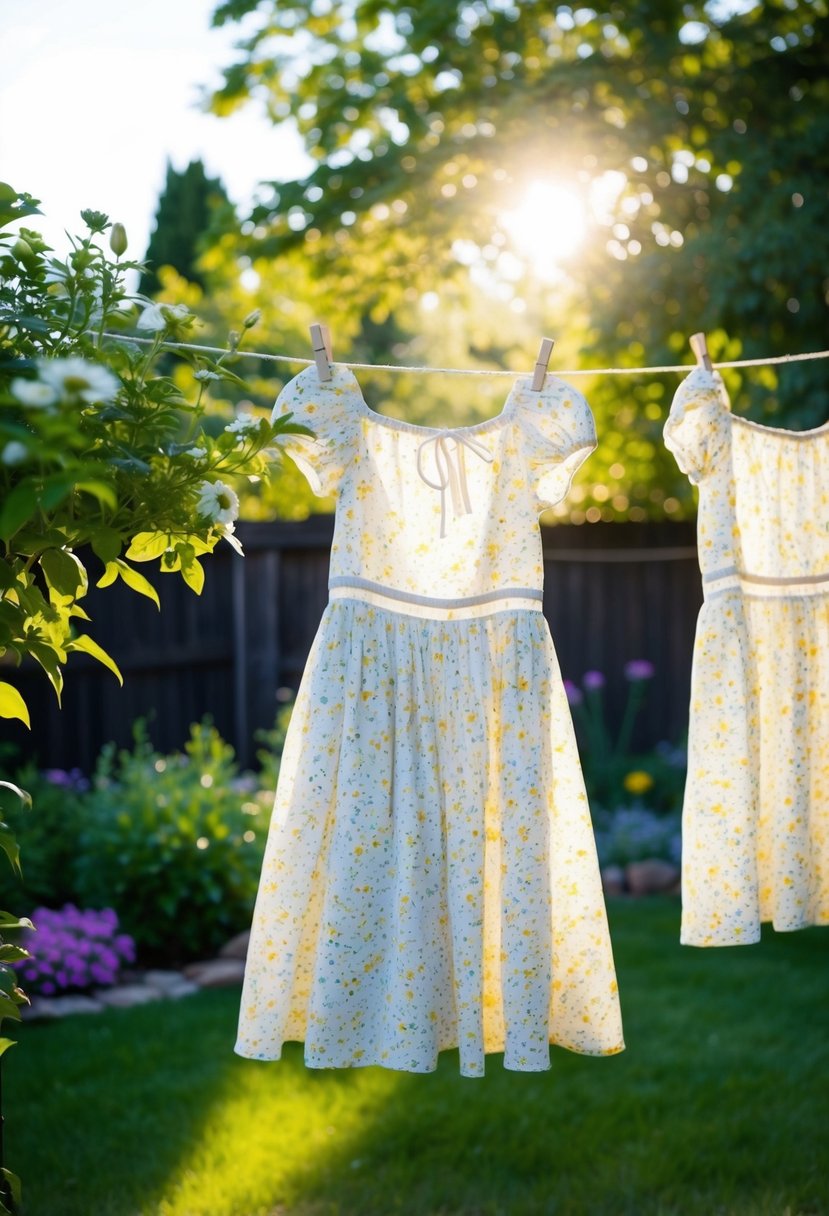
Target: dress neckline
x=498, y=420
x=780, y=431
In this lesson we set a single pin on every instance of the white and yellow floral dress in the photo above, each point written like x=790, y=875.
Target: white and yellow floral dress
x=430, y=878
x=756, y=812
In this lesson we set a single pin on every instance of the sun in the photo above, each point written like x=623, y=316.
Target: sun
x=548, y=226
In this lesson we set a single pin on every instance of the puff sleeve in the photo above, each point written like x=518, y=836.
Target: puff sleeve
x=559, y=433
x=697, y=426
x=328, y=409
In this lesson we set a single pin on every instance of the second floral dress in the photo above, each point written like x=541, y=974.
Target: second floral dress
x=756, y=813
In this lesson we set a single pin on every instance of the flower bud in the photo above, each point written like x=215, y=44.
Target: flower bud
x=118, y=240
x=23, y=251
x=233, y=339
x=81, y=260
x=96, y=221
x=252, y=318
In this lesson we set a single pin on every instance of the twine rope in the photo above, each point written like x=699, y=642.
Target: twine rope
x=682, y=368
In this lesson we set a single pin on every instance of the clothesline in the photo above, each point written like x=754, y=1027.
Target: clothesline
x=459, y=371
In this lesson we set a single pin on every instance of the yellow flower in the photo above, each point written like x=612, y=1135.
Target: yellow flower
x=638, y=782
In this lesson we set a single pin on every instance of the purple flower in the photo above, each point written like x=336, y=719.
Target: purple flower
x=125, y=946
x=593, y=680
x=74, y=949
x=639, y=669
x=71, y=780
x=574, y=693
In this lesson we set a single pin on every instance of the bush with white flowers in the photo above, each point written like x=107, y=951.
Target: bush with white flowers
x=98, y=453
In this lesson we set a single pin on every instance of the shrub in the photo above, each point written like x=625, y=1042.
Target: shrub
x=634, y=833
x=97, y=450
x=50, y=831
x=73, y=950
x=175, y=843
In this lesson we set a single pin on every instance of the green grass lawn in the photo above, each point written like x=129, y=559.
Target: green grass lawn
x=719, y=1107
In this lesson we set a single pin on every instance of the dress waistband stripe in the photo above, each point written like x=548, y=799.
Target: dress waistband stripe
x=430, y=601
x=763, y=585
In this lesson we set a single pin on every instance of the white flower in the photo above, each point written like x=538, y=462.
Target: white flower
x=33, y=392
x=152, y=318
x=14, y=453
x=196, y=453
x=242, y=424
x=75, y=377
x=159, y=316
x=204, y=374
x=218, y=502
x=227, y=531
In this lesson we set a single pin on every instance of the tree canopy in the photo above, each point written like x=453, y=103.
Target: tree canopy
x=696, y=137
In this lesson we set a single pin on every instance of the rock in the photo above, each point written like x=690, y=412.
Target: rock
x=61, y=1006
x=613, y=880
x=651, y=876
x=237, y=947
x=163, y=981
x=182, y=988
x=124, y=996
x=216, y=972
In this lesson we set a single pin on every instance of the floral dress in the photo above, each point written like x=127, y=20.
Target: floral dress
x=430, y=878
x=756, y=812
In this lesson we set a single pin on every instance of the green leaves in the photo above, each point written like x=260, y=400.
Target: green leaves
x=19, y=506
x=9, y=845
x=25, y=799
x=12, y=704
x=193, y=575
x=14, y=206
x=146, y=546
x=106, y=543
x=65, y=572
x=13, y=1183
x=88, y=646
x=132, y=578
x=10, y=953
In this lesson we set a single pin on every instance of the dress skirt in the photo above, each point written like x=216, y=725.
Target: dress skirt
x=430, y=878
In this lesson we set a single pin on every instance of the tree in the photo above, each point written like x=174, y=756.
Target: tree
x=700, y=132
x=187, y=207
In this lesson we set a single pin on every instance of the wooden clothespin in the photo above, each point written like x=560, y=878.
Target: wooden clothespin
x=541, y=364
x=321, y=342
x=700, y=348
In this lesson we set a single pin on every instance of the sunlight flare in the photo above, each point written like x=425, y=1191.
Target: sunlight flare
x=548, y=226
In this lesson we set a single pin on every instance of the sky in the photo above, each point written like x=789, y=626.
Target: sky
x=96, y=95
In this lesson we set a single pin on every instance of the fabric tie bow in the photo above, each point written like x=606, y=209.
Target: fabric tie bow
x=451, y=469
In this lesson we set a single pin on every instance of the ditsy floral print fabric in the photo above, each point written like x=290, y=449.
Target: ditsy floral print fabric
x=430, y=878
x=756, y=812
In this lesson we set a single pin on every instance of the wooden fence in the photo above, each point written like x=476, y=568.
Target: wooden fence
x=613, y=592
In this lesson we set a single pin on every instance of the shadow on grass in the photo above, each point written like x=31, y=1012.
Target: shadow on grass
x=719, y=1105
x=100, y=1108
